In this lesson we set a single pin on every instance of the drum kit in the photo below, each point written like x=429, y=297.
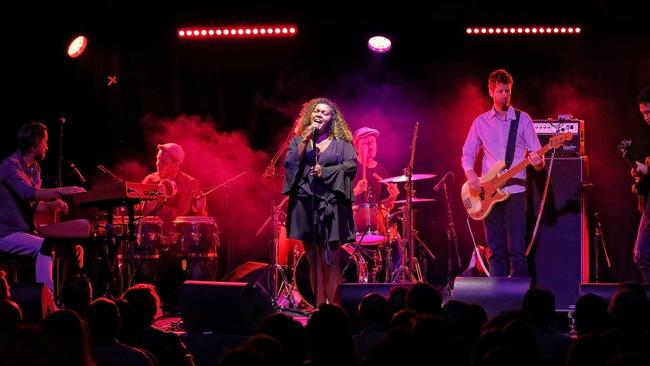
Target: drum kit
x=374, y=258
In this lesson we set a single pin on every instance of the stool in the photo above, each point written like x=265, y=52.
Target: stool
x=13, y=264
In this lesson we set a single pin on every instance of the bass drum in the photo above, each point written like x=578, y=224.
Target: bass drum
x=288, y=249
x=356, y=272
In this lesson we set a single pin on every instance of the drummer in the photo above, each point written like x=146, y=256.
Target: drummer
x=367, y=188
x=183, y=196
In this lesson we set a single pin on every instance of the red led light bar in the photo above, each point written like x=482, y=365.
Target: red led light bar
x=242, y=31
x=522, y=30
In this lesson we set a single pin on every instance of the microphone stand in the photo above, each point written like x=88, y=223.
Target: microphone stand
x=56, y=217
x=280, y=282
x=314, y=210
x=219, y=186
x=452, y=239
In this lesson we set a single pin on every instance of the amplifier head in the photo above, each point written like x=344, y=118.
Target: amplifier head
x=547, y=128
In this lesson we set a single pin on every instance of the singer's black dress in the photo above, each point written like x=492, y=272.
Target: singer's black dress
x=333, y=193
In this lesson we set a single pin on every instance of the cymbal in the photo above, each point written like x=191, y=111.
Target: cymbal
x=415, y=200
x=402, y=178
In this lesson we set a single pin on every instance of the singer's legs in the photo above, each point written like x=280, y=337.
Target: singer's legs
x=331, y=272
x=324, y=271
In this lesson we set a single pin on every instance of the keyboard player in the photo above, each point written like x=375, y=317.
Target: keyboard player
x=21, y=196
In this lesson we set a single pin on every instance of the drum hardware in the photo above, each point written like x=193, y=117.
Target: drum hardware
x=377, y=266
x=404, y=178
x=134, y=250
x=283, y=289
x=415, y=200
x=356, y=248
x=409, y=270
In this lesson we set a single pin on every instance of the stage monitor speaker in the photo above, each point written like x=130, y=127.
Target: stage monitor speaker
x=605, y=290
x=559, y=261
x=223, y=307
x=34, y=299
x=254, y=273
x=496, y=295
x=351, y=295
x=247, y=272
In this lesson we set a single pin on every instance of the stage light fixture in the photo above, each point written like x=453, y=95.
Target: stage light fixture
x=237, y=32
x=379, y=44
x=77, y=46
x=523, y=30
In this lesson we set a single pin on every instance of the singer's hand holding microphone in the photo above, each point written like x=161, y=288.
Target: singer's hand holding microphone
x=311, y=131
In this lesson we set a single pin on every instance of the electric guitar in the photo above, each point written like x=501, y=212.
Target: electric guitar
x=639, y=167
x=479, y=204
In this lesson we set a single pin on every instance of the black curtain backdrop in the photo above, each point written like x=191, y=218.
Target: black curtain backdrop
x=434, y=74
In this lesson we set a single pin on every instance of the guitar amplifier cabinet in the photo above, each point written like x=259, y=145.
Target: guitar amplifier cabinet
x=547, y=128
x=560, y=258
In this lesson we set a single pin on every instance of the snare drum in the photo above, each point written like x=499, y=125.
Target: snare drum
x=356, y=272
x=195, y=237
x=369, y=218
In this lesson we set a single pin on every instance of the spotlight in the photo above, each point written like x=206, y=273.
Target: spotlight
x=77, y=46
x=379, y=44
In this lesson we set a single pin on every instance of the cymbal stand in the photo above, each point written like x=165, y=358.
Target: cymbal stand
x=405, y=273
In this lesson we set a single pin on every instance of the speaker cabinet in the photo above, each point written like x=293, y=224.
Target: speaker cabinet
x=559, y=260
x=606, y=290
x=496, y=295
x=223, y=307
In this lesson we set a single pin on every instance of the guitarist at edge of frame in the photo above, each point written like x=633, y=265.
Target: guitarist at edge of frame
x=505, y=225
x=641, y=187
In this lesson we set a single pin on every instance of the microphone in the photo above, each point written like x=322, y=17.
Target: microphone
x=316, y=128
x=444, y=177
x=78, y=173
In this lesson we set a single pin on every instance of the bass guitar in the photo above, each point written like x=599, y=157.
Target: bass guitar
x=479, y=204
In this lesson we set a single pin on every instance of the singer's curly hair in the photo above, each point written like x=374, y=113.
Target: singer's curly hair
x=338, y=128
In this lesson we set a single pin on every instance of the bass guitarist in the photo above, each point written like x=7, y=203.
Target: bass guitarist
x=641, y=188
x=503, y=133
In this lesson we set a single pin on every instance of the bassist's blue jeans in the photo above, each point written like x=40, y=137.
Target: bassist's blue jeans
x=642, y=245
x=505, y=229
